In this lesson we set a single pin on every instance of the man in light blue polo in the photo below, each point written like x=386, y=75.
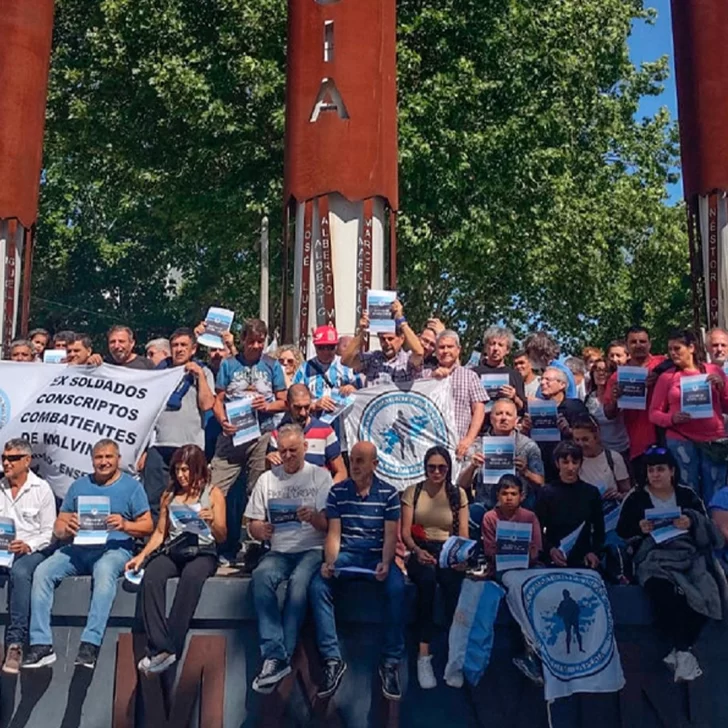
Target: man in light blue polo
x=129, y=518
x=363, y=514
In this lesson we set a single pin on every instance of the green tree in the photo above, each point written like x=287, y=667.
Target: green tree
x=530, y=194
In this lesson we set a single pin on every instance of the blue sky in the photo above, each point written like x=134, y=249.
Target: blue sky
x=648, y=43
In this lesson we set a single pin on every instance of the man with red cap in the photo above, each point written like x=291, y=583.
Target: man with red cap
x=325, y=373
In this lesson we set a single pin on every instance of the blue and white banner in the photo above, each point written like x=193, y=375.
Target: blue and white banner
x=404, y=421
x=19, y=381
x=566, y=617
x=64, y=410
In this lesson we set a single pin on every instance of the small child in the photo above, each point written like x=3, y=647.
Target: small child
x=509, y=495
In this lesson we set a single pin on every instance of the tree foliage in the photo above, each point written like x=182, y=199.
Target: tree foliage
x=530, y=193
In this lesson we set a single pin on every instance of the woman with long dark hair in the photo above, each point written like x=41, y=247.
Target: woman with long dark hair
x=688, y=436
x=613, y=432
x=191, y=523
x=678, y=574
x=432, y=511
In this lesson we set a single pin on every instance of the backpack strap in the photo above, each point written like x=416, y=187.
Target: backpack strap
x=610, y=461
x=418, y=491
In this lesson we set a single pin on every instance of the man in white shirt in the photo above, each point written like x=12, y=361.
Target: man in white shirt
x=29, y=502
x=286, y=508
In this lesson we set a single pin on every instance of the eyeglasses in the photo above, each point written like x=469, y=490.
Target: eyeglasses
x=287, y=361
x=432, y=468
x=326, y=347
x=12, y=458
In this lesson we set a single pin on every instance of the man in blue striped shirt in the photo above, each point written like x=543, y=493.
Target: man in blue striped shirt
x=363, y=515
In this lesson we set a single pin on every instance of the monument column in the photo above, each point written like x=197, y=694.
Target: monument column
x=700, y=29
x=340, y=160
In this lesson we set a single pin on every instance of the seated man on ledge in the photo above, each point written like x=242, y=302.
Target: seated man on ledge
x=363, y=515
x=124, y=499
x=28, y=501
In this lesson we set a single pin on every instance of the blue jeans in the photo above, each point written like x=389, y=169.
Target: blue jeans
x=279, y=633
x=20, y=580
x=322, y=602
x=697, y=470
x=105, y=564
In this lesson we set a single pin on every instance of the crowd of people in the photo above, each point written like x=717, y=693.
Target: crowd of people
x=350, y=523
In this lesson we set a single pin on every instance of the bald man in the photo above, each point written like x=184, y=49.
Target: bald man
x=363, y=515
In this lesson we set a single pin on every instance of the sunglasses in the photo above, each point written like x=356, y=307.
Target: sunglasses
x=436, y=468
x=656, y=450
x=12, y=458
x=287, y=361
x=326, y=347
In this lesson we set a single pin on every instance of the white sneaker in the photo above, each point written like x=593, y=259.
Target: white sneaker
x=687, y=667
x=425, y=675
x=671, y=659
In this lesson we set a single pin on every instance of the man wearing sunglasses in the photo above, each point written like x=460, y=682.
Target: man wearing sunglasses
x=29, y=502
x=325, y=372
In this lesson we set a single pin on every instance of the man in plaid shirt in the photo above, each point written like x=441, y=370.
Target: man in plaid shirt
x=468, y=394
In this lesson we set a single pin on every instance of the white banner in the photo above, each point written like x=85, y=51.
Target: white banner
x=403, y=421
x=566, y=617
x=81, y=405
x=19, y=381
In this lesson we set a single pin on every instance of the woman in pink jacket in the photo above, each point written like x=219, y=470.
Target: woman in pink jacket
x=677, y=408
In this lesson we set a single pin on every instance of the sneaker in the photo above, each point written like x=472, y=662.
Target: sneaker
x=87, y=655
x=272, y=672
x=389, y=675
x=334, y=670
x=425, y=675
x=13, y=658
x=528, y=665
x=38, y=656
x=671, y=659
x=687, y=668
x=161, y=662
x=454, y=679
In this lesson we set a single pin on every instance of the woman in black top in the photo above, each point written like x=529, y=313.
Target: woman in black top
x=676, y=573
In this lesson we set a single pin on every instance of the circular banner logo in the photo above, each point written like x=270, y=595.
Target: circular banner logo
x=570, y=617
x=403, y=426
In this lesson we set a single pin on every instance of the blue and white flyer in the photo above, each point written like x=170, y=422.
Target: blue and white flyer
x=696, y=396
x=7, y=536
x=217, y=322
x=342, y=405
x=379, y=308
x=492, y=384
x=456, y=550
x=244, y=418
x=662, y=523
x=633, y=383
x=499, y=454
x=187, y=517
x=543, y=420
x=513, y=543
x=93, y=510
x=283, y=512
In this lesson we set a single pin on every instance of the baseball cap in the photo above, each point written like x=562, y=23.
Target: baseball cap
x=325, y=335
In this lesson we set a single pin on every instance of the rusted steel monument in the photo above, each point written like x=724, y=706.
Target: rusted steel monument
x=26, y=29
x=701, y=60
x=341, y=158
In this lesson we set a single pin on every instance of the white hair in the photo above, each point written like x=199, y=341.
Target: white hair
x=560, y=374
x=449, y=334
x=499, y=332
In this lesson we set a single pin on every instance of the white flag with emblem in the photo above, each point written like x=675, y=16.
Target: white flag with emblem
x=404, y=421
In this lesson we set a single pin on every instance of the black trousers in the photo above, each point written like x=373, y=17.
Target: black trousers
x=426, y=577
x=168, y=634
x=675, y=620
